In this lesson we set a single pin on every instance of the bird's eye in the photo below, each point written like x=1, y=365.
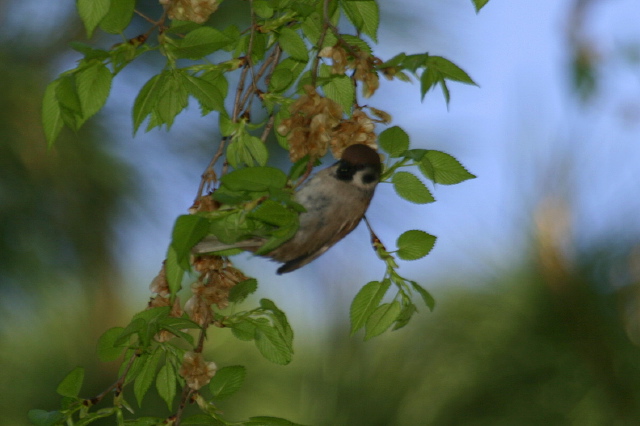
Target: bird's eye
x=368, y=178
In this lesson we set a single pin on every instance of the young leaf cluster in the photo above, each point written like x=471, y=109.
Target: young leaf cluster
x=268, y=327
x=434, y=70
x=252, y=202
x=368, y=309
x=149, y=362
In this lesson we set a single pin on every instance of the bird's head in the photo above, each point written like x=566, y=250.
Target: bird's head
x=359, y=165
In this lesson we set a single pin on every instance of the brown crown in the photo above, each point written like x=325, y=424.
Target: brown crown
x=361, y=154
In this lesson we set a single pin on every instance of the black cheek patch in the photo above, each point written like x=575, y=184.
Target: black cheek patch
x=368, y=178
x=345, y=172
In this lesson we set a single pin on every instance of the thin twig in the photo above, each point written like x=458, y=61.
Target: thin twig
x=267, y=128
x=117, y=384
x=325, y=27
x=207, y=172
x=276, y=58
x=184, y=398
x=145, y=17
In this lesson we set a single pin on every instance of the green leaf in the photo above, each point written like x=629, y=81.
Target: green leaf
x=244, y=330
x=448, y=69
x=426, y=296
x=51, y=114
x=227, y=381
x=173, y=97
x=201, y=42
x=428, y=79
x=409, y=187
x=166, y=384
x=413, y=62
x=173, y=271
x=280, y=319
x=187, y=231
x=395, y=61
x=182, y=27
x=273, y=213
x=67, y=95
x=405, y=316
x=414, y=244
x=226, y=126
x=263, y=9
x=293, y=44
x=107, y=349
x=45, y=418
x=89, y=52
x=279, y=236
x=207, y=94
x=242, y=290
x=364, y=15
x=200, y=420
x=147, y=375
x=272, y=344
x=312, y=29
x=366, y=302
x=254, y=179
x=381, y=319
x=357, y=42
x=136, y=326
x=443, y=168
x=285, y=74
x=92, y=12
x=146, y=101
x=257, y=150
x=438, y=70
x=340, y=88
x=71, y=384
x=119, y=16
x=93, y=84
x=479, y=4
x=394, y=140
x=269, y=421
x=236, y=153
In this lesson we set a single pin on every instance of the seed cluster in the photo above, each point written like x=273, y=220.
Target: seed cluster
x=190, y=10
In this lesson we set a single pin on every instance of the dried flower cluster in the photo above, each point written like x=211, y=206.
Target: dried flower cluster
x=160, y=286
x=360, y=61
x=309, y=128
x=217, y=278
x=190, y=10
x=338, y=56
x=316, y=124
x=196, y=371
x=358, y=129
x=204, y=203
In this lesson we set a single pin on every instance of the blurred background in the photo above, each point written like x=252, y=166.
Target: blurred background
x=536, y=271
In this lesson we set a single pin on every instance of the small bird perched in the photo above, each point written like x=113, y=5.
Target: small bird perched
x=335, y=199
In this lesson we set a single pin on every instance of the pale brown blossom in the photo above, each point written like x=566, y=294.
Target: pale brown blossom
x=190, y=10
x=196, y=371
x=338, y=56
x=217, y=278
x=364, y=66
x=198, y=310
x=159, y=284
x=310, y=126
x=357, y=129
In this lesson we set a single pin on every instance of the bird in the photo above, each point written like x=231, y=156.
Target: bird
x=335, y=201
